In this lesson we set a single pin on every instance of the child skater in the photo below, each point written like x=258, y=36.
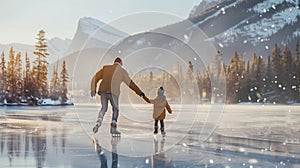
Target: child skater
x=160, y=103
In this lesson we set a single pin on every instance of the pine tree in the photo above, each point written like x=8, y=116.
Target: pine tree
x=217, y=65
x=11, y=78
x=151, y=77
x=3, y=79
x=286, y=86
x=54, y=85
x=218, y=77
x=277, y=72
x=297, y=73
x=189, y=86
x=268, y=86
x=248, y=84
x=233, y=79
x=40, y=66
x=297, y=53
x=190, y=73
x=28, y=82
x=257, y=74
x=18, y=77
x=206, y=85
x=63, y=82
x=199, y=85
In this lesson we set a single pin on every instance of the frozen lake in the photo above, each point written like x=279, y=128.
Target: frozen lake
x=197, y=136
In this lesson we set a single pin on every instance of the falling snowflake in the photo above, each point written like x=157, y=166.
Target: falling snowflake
x=265, y=10
x=186, y=37
x=221, y=45
x=223, y=11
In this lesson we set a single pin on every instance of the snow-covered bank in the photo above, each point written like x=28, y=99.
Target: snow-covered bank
x=40, y=102
x=50, y=102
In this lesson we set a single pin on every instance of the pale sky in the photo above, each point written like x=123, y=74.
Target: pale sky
x=22, y=19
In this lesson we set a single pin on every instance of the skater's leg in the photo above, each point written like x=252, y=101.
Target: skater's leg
x=104, y=105
x=114, y=101
x=162, y=127
x=155, y=126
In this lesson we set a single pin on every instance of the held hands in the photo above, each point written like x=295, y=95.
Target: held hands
x=142, y=95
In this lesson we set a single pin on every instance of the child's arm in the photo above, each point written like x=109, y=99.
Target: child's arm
x=146, y=99
x=168, y=108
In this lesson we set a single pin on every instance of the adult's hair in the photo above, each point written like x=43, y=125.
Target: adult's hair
x=119, y=60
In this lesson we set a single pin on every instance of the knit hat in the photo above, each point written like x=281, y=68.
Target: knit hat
x=161, y=94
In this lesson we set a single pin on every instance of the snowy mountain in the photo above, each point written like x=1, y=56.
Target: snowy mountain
x=57, y=49
x=249, y=26
x=92, y=33
x=205, y=4
x=245, y=26
x=23, y=48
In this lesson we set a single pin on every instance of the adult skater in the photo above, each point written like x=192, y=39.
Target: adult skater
x=111, y=77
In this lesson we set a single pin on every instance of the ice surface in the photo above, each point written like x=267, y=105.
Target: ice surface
x=247, y=136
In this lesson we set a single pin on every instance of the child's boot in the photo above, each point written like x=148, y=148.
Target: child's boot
x=155, y=129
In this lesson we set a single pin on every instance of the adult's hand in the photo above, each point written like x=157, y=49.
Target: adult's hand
x=142, y=94
x=93, y=93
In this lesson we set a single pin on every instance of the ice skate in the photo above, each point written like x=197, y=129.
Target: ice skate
x=113, y=130
x=97, y=125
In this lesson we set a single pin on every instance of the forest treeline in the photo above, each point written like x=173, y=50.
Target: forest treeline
x=28, y=84
x=272, y=80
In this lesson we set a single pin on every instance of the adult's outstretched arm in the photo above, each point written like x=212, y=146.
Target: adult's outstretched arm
x=95, y=80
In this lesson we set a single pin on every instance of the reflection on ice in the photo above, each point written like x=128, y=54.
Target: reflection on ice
x=27, y=142
x=158, y=159
x=247, y=136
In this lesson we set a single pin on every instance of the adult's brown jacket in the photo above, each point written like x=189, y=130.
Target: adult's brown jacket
x=112, y=76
